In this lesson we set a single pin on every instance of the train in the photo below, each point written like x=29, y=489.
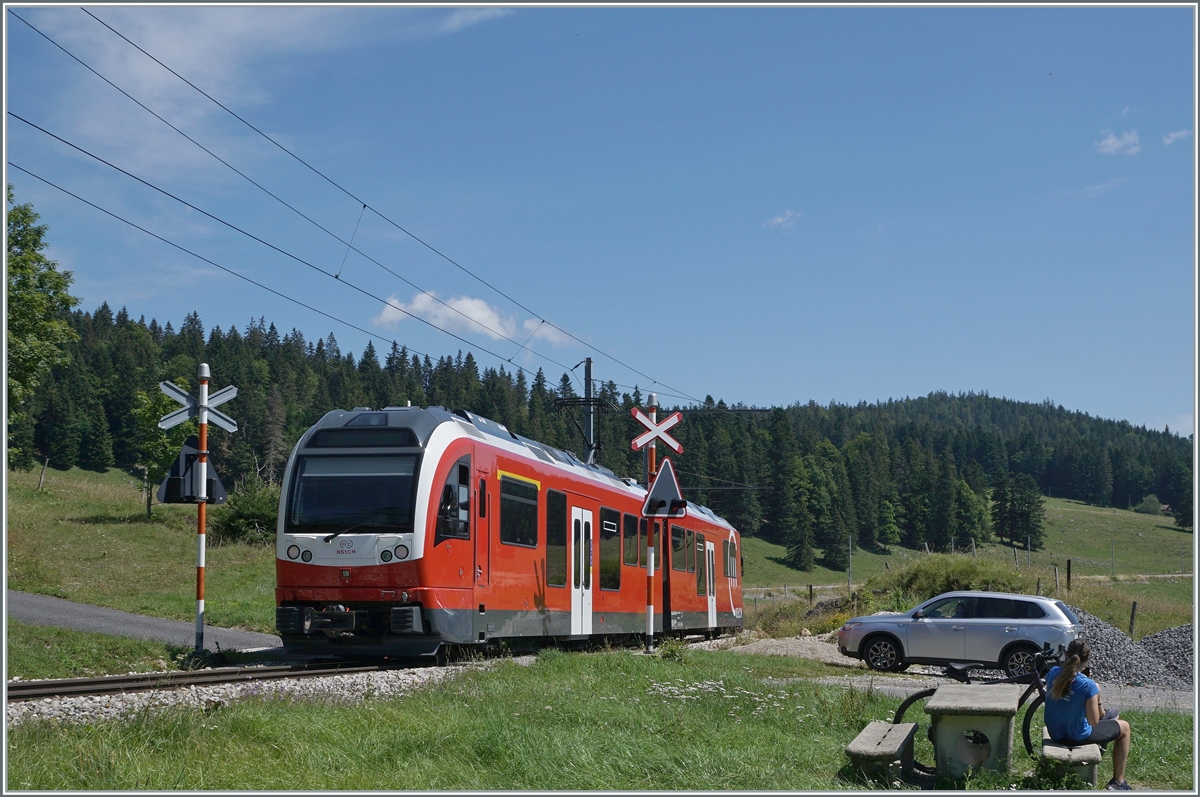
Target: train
x=413, y=531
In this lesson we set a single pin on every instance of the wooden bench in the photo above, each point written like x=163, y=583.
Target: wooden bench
x=879, y=745
x=1080, y=759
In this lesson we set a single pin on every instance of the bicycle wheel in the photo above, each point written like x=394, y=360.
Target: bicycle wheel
x=922, y=743
x=924, y=694
x=1027, y=723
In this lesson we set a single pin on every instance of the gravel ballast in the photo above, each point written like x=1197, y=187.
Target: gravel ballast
x=1117, y=659
x=1175, y=647
x=350, y=688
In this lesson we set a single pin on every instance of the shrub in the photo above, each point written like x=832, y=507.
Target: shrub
x=932, y=575
x=1150, y=505
x=249, y=514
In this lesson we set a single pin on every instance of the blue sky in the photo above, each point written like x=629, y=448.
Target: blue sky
x=764, y=205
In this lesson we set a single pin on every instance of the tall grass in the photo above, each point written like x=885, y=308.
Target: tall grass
x=85, y=537
x=609, y=721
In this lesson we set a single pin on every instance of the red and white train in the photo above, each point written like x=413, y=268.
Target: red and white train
x=402, y=530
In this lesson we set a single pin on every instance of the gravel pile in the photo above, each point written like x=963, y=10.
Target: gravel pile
x=1175, y=647
x=349, y=688
x=1117, y=659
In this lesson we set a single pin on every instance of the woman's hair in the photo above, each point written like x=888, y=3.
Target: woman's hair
x=1077, y=657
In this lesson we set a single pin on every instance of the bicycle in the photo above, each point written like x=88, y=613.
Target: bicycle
x=1042, y=662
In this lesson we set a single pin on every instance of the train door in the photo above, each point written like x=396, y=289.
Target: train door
x=581, y=571
x=482, y=532
x=710, y=555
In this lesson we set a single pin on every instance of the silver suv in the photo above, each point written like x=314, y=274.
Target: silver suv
x=995, y=629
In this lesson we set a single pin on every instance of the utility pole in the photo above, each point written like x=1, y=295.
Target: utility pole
x=589, y=412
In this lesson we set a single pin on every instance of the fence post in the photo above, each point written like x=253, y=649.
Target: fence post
x=972, y=546
x=1039, y=588
x=1056, y=579
x=1112, y=572
x=785, y=591
x=810, y=595
x=1068, y=575
x=926, y=547
x=1016, y=559
x=887, y=567
x=42, y=478
x=1132, y=619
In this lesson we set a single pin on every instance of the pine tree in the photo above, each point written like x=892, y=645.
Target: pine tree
x=797, y=523
x=1002, y=522
x=1028, y=512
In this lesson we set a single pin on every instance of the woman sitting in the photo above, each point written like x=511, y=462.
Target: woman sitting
x=1073, y=714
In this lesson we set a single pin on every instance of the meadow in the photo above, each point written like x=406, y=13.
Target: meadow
x=615, y=720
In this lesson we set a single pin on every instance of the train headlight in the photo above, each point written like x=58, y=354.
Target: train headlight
x=293, y=551
x=401, y=551
x=306, y=556
x=386, y=556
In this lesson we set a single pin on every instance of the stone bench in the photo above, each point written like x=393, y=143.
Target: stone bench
x=1080, y=759
x=879, y=745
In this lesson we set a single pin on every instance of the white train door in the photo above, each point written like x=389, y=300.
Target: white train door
x=710, y=557
x=581, y=571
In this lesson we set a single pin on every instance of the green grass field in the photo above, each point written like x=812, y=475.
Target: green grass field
x=604, y=721
x=1144, y=545
x=85, y=538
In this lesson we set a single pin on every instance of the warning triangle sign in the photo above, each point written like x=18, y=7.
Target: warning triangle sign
x=665, y=499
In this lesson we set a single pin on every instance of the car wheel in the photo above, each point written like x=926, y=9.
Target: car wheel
x=882, y=653
x=1019, y=660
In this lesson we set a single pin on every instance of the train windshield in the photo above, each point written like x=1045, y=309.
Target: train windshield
x=332, y=494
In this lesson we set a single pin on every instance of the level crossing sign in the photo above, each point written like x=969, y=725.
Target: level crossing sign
x=191, y=407
x=181, y=484
x=658, y=430
x=665, y=499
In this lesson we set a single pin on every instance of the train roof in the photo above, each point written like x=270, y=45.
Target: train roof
x=423, y=421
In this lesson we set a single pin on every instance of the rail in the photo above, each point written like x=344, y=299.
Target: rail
x=143, y=682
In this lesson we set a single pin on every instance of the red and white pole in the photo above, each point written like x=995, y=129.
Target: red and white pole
x=652, y=404
x=202, y=502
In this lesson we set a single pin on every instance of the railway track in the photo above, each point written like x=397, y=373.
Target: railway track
x=115, y=684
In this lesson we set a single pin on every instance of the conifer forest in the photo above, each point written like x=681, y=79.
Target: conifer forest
x=817, y=478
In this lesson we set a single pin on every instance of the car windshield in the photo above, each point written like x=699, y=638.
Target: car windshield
x=1062, y=607
x=334, y=494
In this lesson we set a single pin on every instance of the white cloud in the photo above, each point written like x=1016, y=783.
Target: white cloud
x=466, y=314
x=1127, y=144
x=1171, y=138
x=466, y=17
x=456, y=314
x=784, y=221
x=1096, y=190
x=543, y=331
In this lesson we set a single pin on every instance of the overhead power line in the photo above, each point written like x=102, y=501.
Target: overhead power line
x=348, y=244
x=265, y=243
x=379, y=213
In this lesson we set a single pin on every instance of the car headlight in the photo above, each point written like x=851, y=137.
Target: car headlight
x=849, y=626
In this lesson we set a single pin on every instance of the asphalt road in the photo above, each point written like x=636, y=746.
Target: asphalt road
x=45, y=610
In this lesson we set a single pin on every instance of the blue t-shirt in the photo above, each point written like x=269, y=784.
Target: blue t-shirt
x=1066, y=719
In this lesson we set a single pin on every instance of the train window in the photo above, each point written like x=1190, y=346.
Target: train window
x=518, y=512
x=482, y=498
x=701, y=558
x=631, y=540
x=678, y=549
x=337, y=493
x=690, y=550
x=642, y=526
x=556, y=538
x=454, y=510
x=610, y=549
x=725, y=558
x=365, y=437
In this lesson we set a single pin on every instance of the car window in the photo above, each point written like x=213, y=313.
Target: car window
x=1028, y=610
x=1062, y=607
x=950, y=608
x=994, y=609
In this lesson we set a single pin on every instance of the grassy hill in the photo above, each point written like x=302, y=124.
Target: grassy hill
x=85, y=537
x=1144, y=545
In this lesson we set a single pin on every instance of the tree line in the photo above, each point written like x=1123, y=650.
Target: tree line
x=936, y=471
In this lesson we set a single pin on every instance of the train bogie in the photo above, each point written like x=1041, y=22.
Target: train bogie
x=406, y=529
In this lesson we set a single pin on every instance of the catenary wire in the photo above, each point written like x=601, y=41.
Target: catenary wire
x=211, y=262
x=270, y=245
x=378, y=213
x=348, y=244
